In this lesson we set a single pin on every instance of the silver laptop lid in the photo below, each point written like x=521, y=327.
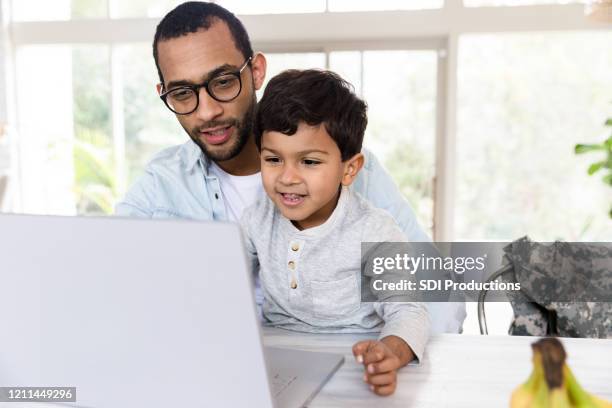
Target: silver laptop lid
x=133, y=313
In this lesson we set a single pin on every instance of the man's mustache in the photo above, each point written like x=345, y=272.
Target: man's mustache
x=215, y=123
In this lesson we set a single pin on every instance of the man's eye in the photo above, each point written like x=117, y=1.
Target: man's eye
x=225, y=81
x=181, y=94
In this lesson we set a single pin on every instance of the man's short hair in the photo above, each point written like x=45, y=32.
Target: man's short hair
x=314, y=97
x=193, y=16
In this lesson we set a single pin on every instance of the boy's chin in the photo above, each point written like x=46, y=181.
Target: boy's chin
x=295, y=218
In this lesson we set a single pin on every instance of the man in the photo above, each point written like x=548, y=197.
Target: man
x=208, y=77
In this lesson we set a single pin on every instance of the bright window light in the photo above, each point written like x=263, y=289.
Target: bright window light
x=524, y=101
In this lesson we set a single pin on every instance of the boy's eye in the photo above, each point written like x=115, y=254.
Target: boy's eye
x=272, y=160
x=310, y=162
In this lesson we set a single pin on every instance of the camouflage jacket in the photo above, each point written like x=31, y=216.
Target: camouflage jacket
x=566, y=288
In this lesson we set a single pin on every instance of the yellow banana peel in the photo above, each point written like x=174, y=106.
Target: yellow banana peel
x=551, y=383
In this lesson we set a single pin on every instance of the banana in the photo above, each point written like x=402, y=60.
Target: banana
x=551, y=383
x=579, y=396
x=524, y=395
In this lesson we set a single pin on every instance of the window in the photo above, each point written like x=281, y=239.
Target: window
x=52, y=123
x=87, y=137
x=141, y=8
x=57, y=10
x=61, y=10
x=145, y=123
x=273, y=6
x=524, y=101
x=368, y=5
x=103, y=108
x=278, y=62
x=33, y=10
x=400, y=90
x=488, y=3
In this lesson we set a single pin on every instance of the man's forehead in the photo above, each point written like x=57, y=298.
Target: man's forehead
x=194, y=55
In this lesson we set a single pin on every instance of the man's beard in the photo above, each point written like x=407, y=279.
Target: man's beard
x=243, y=128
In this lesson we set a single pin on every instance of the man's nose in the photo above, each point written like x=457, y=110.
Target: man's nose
x=208, y=108
x=290, y=175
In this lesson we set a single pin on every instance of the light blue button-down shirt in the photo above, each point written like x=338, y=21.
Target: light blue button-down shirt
x=177, y=184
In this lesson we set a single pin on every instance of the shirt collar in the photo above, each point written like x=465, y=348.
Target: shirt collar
x=320, y=230
x=193, y=155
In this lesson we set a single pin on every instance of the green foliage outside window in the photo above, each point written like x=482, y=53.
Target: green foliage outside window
x=604, y=147
x=95, y=184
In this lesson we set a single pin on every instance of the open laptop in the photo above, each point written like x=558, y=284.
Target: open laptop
x=141, y=313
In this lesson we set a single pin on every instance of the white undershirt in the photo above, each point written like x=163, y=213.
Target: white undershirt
x=239, y=192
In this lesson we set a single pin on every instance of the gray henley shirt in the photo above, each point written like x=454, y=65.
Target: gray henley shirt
x=310, y=279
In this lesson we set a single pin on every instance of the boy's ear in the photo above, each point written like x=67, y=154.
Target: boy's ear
x=351, y=168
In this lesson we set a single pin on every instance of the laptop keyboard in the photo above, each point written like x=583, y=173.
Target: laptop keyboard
x=280, y=383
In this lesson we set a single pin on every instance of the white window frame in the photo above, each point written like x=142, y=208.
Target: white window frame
x=438, y=29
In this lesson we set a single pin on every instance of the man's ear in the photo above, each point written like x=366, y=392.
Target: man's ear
x=351, y=169
x=258, y=67
x=159, y=88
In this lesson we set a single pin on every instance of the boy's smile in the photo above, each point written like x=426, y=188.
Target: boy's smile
x=302, y=173
x=292, y=199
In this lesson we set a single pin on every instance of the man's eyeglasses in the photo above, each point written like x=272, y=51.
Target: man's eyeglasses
x=224, y=87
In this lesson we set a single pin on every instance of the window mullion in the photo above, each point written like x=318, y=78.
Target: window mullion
x=446, y=111
x=118, y=120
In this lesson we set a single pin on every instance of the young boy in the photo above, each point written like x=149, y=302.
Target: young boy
x=305, y=236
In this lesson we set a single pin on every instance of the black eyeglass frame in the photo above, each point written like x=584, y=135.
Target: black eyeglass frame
x=196, y=88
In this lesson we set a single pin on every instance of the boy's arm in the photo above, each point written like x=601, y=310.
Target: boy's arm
x=408, y=321
x=249, y=246
x=402, y=340
x=406, y=328
x=251, y=255
x=399, y=348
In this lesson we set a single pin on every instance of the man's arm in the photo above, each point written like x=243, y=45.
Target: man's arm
x=138, y=202
x=377, y=186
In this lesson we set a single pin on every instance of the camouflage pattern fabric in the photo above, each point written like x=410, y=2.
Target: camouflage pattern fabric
x=565, y=288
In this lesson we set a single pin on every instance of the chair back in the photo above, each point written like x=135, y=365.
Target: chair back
x=3, y=185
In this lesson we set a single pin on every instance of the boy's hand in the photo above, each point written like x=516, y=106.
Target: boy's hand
x=381, y=360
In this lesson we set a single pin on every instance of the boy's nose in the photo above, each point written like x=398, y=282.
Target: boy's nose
x=289, y=176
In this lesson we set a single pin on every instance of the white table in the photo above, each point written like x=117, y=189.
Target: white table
x=457, y=370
